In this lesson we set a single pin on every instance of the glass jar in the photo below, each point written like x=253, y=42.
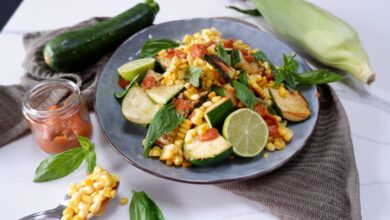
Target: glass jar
x=56, y=112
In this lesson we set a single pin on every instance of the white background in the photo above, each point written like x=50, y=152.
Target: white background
x=368, y=111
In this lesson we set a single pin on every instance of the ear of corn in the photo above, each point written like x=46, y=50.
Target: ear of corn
x=322, y=35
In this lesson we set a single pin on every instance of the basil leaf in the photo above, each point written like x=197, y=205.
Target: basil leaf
x=144, y=208
x=243, y=78
x=236, y=57
x=84, y=142
x=253, y=12
x=316, y=77
x=244, y=94
x=165, y=120
x=120, y=95
x=60, y=165
x=221, y=53
x=193, y=75
x=90, y=160
x=153, y=46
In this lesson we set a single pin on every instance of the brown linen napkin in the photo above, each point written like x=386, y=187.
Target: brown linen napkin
x=12, y=123
x=321, y=182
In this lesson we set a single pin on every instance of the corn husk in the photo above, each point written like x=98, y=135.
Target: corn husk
x=322, y=35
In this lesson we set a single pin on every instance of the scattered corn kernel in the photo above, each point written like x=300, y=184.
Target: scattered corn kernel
x=211, y=95
x=177, y=160
x=123, y=200
x=155, y=152
x=279, y=144
x=265, y=155
x=216, y=99
x=270, y=147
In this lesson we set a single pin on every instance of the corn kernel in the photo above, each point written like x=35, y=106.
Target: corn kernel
x=216, y=99
x=279, y=144
x=207, y=104
x=192, y=132
x=211, y=95
x=270, y=147
x=87, y=199
x=167, y=152
x=265, y=155
x=195, y=97
x=201, y=129
x=178, y=143
x=188, y=139
x=187, y=85
x=180, y=135
x=95, y=207
x=177, y=160
x=155, y=152
x=282, y=92
x=197, y=119
x=68, y=211
x=123, y=200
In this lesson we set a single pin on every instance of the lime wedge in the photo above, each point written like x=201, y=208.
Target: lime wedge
x=129, y=70
x=246, y=131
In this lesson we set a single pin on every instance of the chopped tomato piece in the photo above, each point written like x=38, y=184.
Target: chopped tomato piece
x=247, y=56
x=122, y=82
x=180, y=54
x=183, y=106
x=209, y=135
x=171, y=53
x=149, y=82
x=271, y=121
x=228, y=43
x=198, y=50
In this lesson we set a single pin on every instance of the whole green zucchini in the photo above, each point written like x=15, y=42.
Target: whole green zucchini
x=75, y=50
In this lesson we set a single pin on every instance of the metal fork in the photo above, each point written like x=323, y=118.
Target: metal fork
x=52, y=213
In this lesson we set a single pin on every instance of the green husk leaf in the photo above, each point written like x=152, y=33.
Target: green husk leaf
x=252, y=12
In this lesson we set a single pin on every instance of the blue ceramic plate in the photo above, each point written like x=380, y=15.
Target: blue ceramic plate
x=126, y=137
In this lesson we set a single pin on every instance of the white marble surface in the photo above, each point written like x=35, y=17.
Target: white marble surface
x=368, y=111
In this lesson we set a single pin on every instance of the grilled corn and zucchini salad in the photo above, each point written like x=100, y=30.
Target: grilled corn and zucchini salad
x=185, y=90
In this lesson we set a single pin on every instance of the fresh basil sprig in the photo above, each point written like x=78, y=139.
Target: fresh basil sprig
x=287, y=73
x=193, y=75
x=222, y=53
x=144, y=208
x=153, y=46
x=60, y=165
x=165, y=120
x=253, y=12
x=244, y=94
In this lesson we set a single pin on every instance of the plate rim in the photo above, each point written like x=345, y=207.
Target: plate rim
x=205, y=182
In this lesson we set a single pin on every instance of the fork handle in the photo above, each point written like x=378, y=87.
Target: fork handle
x=52, y=213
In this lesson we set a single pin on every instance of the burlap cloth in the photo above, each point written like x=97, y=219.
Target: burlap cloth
x=321, y=182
